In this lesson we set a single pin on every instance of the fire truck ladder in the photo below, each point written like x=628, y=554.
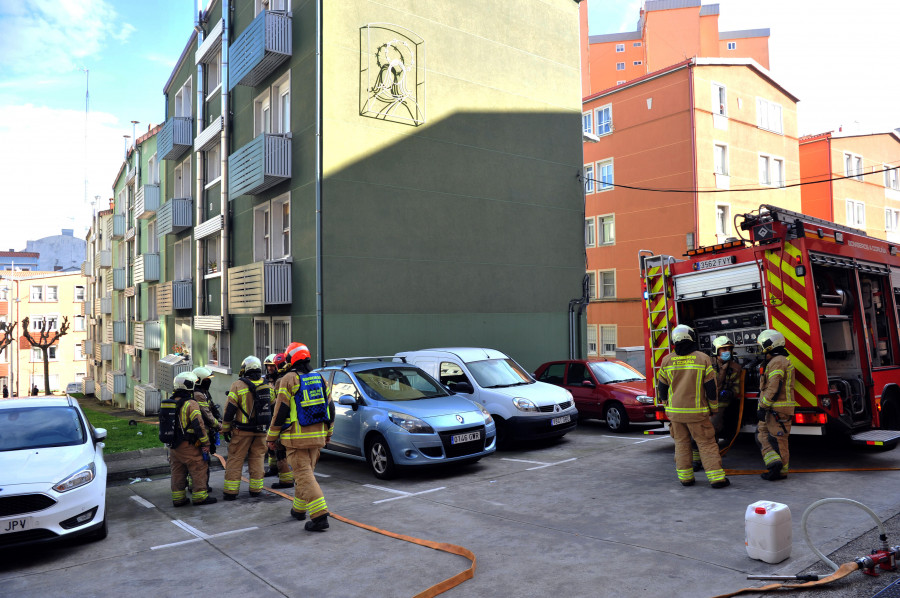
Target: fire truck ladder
x=659, y=306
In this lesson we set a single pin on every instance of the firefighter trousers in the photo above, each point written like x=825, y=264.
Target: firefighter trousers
x=278, y=461
x=704, y=435
x=185, y=459
x=248, y=446
x=308, y=497
x=769, y=430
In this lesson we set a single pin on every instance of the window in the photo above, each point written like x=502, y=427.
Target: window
x=856, y=213
x=36, y=354
x=261, y=5
x=153, y=170
x=590, y=238
x=214, y=342
x=606, y=227
x=891, y=179
x=152, y=292
x=4, y=293
x=719, y=99
x=213, y=165
x=620, y=82
x=891, y=220
x=37, y=293
x=153, y=357
x=587, y=122
x=620, y=47
x=183, y=100
x=721, y=157
x=764, y=170
x=272, y=229
x=732, y=45
x=723, y=219
x=79, y=354
x=636, y=45
x=262, y=114
x=136, y=366
x=281, y=97
x=183, y=259
x=768, y=115
x=78, y=324
x=638, y=62
x=212, y=253
x=285, y=226
x=261, y=337
x=606, y=287
x=592, y=285
x=607, y=340
x=605, y=170
x=281, y=333
x=183, y=332
x=213, y=73
x=591, y=340
x=36, y=323
x=620, y=66
x=589, y=178
x=183, y=179
x=79, y=293
x=853, y=166
x=778, y=172
x=604, y=119
x=52, y=293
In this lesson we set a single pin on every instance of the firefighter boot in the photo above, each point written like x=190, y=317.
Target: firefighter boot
x=319, y=524
x=283, y=485
x=229, y=497
x=724, y=483
x=774, y=472
x=209, y=500
x=298, y=515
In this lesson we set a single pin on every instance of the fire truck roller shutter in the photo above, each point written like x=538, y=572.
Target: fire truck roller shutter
x=730, y=279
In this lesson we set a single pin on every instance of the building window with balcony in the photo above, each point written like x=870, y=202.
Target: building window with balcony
x=891, y=220
x=262, y=114
x=262, y=339
x=592, y=285
x=136, y=366
x=213, y=244
x=721, y=159
x=853, y=166
x=183, y=179
x=590, y=239
x=79, y=293
x=606, y=227
x=732, y=45
x=182, y=334
x=604, y=119
x=213, y=165
x=891, y=178
x=183, y=100
x=152, y=239
x=152, y=293
x=620, y=66
x=78, y=324
x=719, y=99
x=608, y=339
x=272, y=108
x=605, y=170
x=587, y=122
x=723, y=220
x=856, y=214
x=768, y=116
x=606, y=284
x=37, y=293
x=182, y=251
x=219, y=348
x=620, y=47
x=272, y=229
x=281, y=333
x=261, y=5
x=589, y=178
x=591, y=340
x=213, y=74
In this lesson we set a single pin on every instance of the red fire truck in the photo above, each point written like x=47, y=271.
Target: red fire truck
x=834, y=293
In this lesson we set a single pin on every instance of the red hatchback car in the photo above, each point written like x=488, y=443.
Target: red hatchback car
x=606, y=389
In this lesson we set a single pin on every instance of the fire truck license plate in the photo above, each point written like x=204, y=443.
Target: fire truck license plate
x=716, y=262
x=470, y=437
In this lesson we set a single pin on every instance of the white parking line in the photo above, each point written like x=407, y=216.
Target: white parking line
x=198, y=535
x=321, y=475
x=407, y=495
x=540, y=464
x=522, y=461
x=385, y=489
x=142, y=501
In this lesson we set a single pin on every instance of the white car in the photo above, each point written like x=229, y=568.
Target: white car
x=52, y=472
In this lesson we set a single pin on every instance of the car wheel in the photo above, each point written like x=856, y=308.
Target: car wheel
x=378, y=454
x=616, y=417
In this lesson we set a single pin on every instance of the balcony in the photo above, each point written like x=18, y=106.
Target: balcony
x=120, y=279
x=146, y=201
x=258, y=51
x=210, y=135
x=105, y=395
x=174, y=216
x=254, y=286
x=120, y=331
x=146, y=268
x=174, y=295
x=147, y=335
x=116, y=227
x=87, y=268
x=167, y=368
x=88, y=308
x=88, y=346
x=106, y=305
x=209, y=227
x=103, y=259
x=130, y=174
x=87, y=386
x=262, y=163
x=115, y=382
x=208, y=323
x=175, y=138
x=146, y=399
x=105, y=351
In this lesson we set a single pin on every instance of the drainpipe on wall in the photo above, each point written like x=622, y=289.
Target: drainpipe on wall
x=201, y=170
x=223, y=156
x=320, y=323
x=694, y=156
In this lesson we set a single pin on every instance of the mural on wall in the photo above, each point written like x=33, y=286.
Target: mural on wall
x=392, y=74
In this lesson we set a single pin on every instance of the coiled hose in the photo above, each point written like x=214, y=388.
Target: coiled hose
x=825, y=501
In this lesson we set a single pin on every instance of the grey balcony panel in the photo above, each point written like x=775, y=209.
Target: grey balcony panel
x=87, y=386
x=208, y=228
x=89, y=346
x=146, y=399
x=130, y=291
x=106, y=352
x=146, y=201
x=147, y=335
x=182, y=294
x=174, y=216
x=115, y=382
x=167, y=368
x=105, y=305
x=88, y=308
x=103, y=259
x=175, y=138
x=129, y=234
x=210, y=135
x=105, y=395
x=260, y=48
x=130, y=174
x=87, y=268
x=120, y=332
x=262, y=163
x=208, y=323
x=210, y=45
x=146, y=268
x=117, y=225
x=120, y=279
x=254, y=286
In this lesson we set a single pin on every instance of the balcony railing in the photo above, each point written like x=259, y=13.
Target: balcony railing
x=209, y=227
x=254, y=286
x=87, y=268
x=167, y=368
x=174, y=216
x=146, y=201
x=146, y=268
x=115, y=382
x=103, y=258
x=117, y=225
x=262, y=163
x=147, y=335
x=88, y=346
x=130, y=174
x=146, y=399
x=87, y=386
x=106, y=305
x=120, y=279
x=263, y=45
x=105, y=352
x=175, y=138
x=208, y=323
x=120, y=332
x=174, y=295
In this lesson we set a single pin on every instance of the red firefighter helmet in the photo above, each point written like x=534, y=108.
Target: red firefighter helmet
x=296, y=352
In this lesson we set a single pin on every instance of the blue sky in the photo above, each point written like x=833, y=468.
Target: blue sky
x=840, y=62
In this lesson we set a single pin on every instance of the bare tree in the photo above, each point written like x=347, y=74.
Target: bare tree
x=8, y=332
x=44, y=340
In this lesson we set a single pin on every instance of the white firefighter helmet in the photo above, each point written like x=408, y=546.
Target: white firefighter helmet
x=185, y=381
x=202, y=373
x=770, y=339
x=722, y=341
x=250, y=364
x=682, y=333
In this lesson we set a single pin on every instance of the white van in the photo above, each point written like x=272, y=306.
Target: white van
x=521, y=406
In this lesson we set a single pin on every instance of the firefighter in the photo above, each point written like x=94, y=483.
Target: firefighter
x=277, y=459
x=192, y=449
x=686, y=385
x=272, y=375
x=776, y=405
x=303, y=422
x=247, y=416
x=728, y=383
x=209, y=410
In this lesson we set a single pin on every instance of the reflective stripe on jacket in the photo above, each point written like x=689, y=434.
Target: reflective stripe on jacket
x=285, y=426
x=685, y=375
x=191, y=421
x=777, y=386
x=239, y=408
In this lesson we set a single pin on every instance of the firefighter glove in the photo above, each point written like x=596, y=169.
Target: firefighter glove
x=226, y=436
x=761, y=414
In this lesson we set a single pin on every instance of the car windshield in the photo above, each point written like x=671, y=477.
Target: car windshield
x=608, y=372
x=404, y=383
x=40, y=427
x=498, y=373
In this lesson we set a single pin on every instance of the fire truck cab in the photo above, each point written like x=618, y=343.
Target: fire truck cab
x=834, y=293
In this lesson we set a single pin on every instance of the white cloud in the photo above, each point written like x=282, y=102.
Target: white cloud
x=42, y=151
x=55, y=37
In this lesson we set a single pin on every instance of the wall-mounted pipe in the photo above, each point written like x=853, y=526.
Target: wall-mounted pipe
x=201, y=171
x=320, y=310
x=224, y=262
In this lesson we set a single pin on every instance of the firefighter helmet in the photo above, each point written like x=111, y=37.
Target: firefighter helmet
x=269, y=360
x=185, y=381
x=770, y=339
x=250, y=364
x=722, y=341
x=279, y=362
x=202, y=373
x=682, y=333
x=296, y=352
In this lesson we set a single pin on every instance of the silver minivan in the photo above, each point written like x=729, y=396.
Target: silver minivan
x=522, y=407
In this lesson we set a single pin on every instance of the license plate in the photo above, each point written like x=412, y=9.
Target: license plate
x=716, y=262
x=18, y=524
x=560, y=420
x=470, y=437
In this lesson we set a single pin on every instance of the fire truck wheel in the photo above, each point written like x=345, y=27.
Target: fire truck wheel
x=616, y=417
x=890, y=415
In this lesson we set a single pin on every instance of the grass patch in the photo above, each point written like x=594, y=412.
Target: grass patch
x=121, y=437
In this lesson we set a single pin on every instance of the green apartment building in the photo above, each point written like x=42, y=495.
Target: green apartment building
x=364, y=177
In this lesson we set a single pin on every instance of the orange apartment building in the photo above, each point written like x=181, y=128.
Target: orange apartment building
x=708, y=124
x=870, y=198
x=43, y=297
x=667, y=32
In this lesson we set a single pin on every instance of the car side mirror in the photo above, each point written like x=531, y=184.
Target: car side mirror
x=588, y=384
x=99, y=434
x=463, y=387
x=347, y=400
